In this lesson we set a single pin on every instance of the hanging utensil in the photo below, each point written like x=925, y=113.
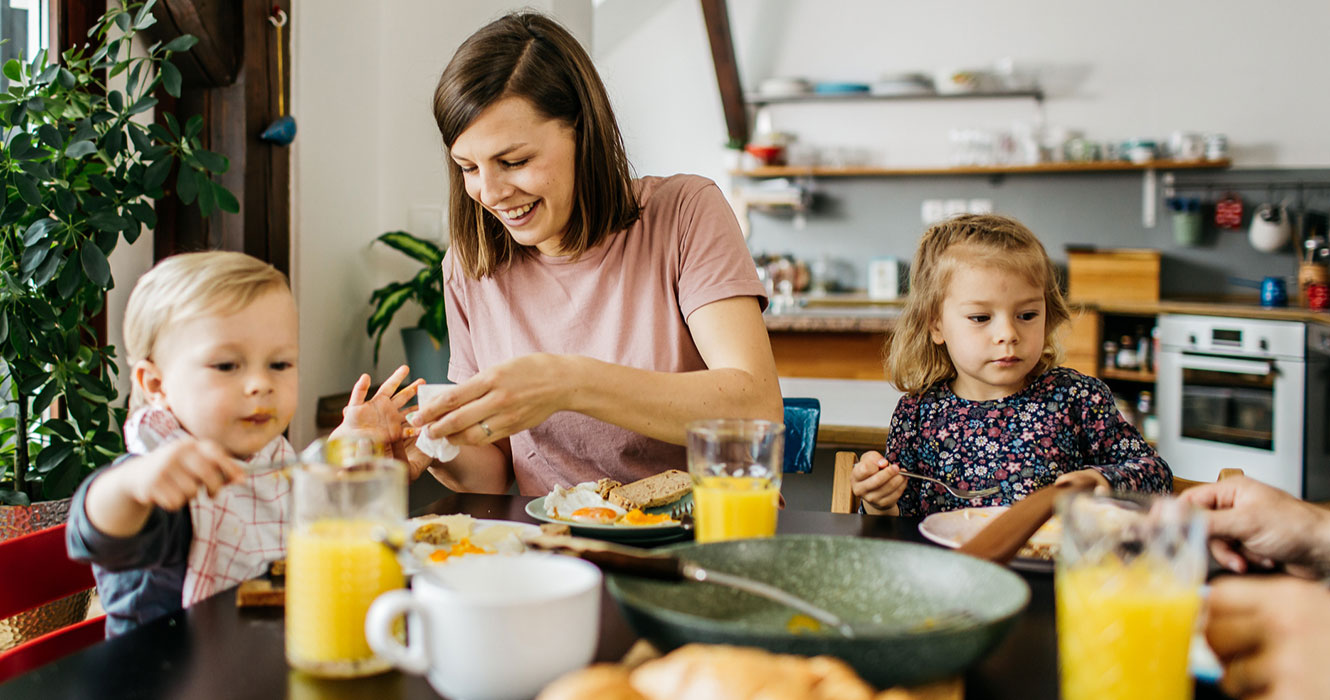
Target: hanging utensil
x=282, y=131
x=641, y=562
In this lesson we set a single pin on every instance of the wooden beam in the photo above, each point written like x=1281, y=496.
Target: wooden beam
x=717, y=16
x=213, y=61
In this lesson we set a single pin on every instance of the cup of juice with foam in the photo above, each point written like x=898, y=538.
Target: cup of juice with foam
x=1128, y=589
x=736, y=469
x=335, y=565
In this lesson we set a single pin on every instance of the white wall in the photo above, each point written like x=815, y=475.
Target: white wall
x=367, y=152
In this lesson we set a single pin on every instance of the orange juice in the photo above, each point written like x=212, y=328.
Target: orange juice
x=334, y=570
x=734, y=507
x=1124, y=631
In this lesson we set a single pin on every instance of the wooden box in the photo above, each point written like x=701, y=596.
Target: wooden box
x=1110, y=275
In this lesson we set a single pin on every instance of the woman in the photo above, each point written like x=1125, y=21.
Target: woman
x=591, y=316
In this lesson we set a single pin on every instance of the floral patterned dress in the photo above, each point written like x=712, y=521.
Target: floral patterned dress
x=1062, y=422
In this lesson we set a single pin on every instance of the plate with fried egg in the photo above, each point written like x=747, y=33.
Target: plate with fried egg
x=588, y=514
x=440, y=539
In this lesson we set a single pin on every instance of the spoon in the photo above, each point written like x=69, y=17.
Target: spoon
x=966, y=494
x=641, y=562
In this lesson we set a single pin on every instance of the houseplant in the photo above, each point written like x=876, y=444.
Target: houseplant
x=78, y=175
x=427, y=343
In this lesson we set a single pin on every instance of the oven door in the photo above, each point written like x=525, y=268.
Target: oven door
x=1218, y=412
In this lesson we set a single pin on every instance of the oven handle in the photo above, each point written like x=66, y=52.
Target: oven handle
x=1232, y=365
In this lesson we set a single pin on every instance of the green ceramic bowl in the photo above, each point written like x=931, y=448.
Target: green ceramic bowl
x=920, y=613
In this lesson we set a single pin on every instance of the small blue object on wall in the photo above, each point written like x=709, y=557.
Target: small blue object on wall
x=281, y=132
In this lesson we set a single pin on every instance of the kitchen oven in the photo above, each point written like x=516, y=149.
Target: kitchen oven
x=1244, y=393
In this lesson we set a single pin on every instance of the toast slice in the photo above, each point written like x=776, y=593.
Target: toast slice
x=655, y=490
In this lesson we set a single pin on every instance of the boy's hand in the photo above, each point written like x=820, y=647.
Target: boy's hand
x=171, y=476
x=382, y=417
x=877, y=483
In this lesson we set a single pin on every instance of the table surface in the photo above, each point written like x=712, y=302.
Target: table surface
x=214, y=650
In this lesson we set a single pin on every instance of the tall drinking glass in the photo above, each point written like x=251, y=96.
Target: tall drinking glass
x=736, y=469
x=335, y=566
x=1128, y=587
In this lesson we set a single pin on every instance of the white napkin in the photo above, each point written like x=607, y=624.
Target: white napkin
x=438, y=448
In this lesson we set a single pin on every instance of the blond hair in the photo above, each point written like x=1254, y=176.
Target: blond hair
x=915, y=361
x=187, y=286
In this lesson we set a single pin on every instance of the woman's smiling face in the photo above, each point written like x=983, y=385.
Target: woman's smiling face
x=520, y=166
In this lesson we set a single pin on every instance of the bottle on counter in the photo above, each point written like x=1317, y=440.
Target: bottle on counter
x=1144, y=356
x=1127, y=354
x=1110, y=354
x=1149, y=424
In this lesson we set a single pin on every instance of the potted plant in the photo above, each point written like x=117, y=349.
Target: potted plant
x=427, y=344
x=78, y=175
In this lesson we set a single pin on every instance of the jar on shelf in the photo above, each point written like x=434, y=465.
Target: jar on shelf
x=1110, y=354
x=1127, y=354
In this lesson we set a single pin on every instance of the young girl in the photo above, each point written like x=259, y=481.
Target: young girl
x=212, y=341
x=986, y=404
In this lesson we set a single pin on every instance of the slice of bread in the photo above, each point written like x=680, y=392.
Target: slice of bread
x=655, y=490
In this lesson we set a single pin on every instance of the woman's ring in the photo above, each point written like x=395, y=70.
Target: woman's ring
x=486, y=428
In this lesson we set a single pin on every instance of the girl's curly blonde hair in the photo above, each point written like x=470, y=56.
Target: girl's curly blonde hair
x=915, y=362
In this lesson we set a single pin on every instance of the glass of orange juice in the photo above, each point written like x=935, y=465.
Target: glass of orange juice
x=1128, y=589
x=736, y=469
x=335, y=565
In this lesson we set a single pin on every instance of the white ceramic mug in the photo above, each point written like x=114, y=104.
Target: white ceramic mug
x=1270, y=228
x=493, y=627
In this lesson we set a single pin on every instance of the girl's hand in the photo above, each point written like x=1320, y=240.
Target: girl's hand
x=381, y=418
x=171, y=476
x=1101, y=483
x=499, y=401
x=877, y=483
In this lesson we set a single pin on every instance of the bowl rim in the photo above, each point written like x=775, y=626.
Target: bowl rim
x=862, y=632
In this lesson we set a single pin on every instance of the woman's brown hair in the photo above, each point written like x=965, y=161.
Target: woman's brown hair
x=529, y=55
x=915, y=361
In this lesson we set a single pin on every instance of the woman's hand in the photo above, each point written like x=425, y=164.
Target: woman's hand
x=1251, y=522
x=499, y=401
x=1271, y=635
x=381, y=418
x=878, y=483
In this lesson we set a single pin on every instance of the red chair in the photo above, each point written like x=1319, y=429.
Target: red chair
x=47, y=574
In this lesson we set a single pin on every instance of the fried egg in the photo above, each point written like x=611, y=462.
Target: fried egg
x=594, y=516
x=564, y=504
x=637, y=517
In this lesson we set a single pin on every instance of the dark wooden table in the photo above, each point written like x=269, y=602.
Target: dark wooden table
x=214, y=650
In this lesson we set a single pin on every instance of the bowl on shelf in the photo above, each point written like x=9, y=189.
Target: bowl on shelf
x=768, y=154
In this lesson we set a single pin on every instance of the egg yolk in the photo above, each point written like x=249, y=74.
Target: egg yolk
x=463, y=546
x=600, y=516
x=637, y=517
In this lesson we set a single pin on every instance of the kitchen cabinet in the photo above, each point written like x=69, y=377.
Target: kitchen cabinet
x=992, y=170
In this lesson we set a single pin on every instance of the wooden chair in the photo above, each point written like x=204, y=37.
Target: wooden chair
x=1180, y=484
x=38, y=571
x=843, y=499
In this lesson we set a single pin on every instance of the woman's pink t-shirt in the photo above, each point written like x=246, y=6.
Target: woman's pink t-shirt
x=626, y=301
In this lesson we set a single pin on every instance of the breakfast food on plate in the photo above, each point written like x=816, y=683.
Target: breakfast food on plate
x=655, y=490
x=438, y=538
x=714, y=672
x=555, y=529
x=586, y=503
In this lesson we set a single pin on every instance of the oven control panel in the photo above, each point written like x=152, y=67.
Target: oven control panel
x=1242, y=337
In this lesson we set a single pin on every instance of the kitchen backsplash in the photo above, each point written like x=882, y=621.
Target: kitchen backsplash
x=854, y=220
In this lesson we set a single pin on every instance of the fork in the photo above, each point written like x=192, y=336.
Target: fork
x=683, y=512
x=964, y=494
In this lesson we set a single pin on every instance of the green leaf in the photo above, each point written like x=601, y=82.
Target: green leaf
x=155, y=175
x=27, y=189
x=62, y=428
x=95, y=265
x=207, y=200
x=79, y=149
x=139, y=137
x=418, y=249
x=171, y=79
x=37, y=230
x=143, y=213
x=108, y=221
x=47, y=269
x=13, y=70
x=36, y=104
x=225, y=200
x=116, y=100
x=384, y=312
x=21, y=147
x=186, y=184
x=172, y=124
x=64, y=479
x=214, y=162
x=50, y=136
x=184, y=42
x=14, y=211
x=31, y=383
x=65, y=201
x=145, y=22
x=4, y=327
x=132, y=82
x=48, y=75
x=13, y=498
x=71, y=276
x=66, y=78
x=194, y=126
x=122, y=20
x=144, y=104
x=33, y=257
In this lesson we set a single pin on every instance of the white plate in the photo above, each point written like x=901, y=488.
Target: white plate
x=536, y=509
x=953, y=528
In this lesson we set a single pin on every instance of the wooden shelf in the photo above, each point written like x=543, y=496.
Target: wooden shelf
x=1127, y=375
x=815, y=97
x=1090, y=167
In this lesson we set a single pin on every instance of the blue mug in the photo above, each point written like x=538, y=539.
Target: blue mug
x=1274, y=292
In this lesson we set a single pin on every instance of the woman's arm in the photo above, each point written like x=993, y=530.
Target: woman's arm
x=477, y=469
x=739, y=382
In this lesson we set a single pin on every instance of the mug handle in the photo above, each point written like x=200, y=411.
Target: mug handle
x=385, y=610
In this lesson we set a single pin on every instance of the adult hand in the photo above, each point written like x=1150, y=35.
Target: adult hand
x=877, y=483
x=381, y=418
x=1271, y=635
x=1253, y=523
x=499, y=401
